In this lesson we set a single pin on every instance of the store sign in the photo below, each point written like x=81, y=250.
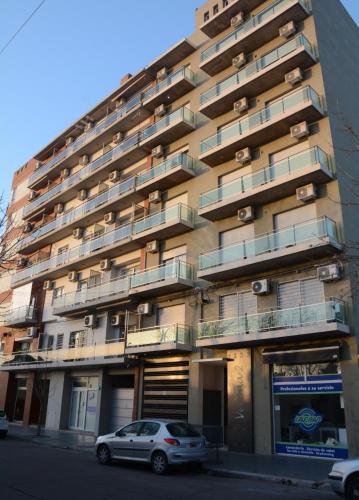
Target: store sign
x=320, y=384
x=311, y=451
x=308, y=419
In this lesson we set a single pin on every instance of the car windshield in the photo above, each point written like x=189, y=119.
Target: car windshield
x=2, y=413
x=181, y=429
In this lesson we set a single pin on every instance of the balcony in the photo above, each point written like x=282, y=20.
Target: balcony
x=164, y=224
x=263, y=126
x=167, y=278
x=327, y=319
x=164, y=175
x=258, y=76
x=164, y=338
x=21, y=316
x=128, y=116
x=177, y=84
x=287, y=246
x=77, y=303
x=222, y=20
x=252, y=34
x=106, y=353
x=269, y=184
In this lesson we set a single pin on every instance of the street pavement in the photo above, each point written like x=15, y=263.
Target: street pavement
x=34, y=471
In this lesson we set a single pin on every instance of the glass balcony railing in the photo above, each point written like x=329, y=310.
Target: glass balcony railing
x=94, y=352
x=91, y=294
x=250, y=122
x=253, y=22
x=296, y=317
x=313, y=230
x=126, y=186
x=179, y=211
x=85, y=138
x=158, y=335
x=26, y=314
x=167, y=82
x=181, y=114
x=174, y=270
x=255, y=67
x=266, y=176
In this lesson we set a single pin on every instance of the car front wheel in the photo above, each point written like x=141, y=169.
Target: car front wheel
x=159, y=462
x=352, y=489
x=3, y=434
x=103, y=454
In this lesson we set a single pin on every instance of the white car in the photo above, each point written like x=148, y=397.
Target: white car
x=344, y=478
x=4, y=426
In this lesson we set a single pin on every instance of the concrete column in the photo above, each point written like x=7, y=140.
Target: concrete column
x=28, y=399
x=4, y=381
x=240, y=414
x=195, y=392
x=350, y=376
x=262, y=405
x=103, y=404
x=137, y=391
x=56, y=403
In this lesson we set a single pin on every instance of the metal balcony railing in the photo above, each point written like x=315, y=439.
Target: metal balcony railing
x=256, y=66
x=157, y=335
x=181, y=114
x=267, y=175
x=180, y=211
x=296, y=317
x=174, y=270
x=184, y=72
x=313, y=230
x=25, y=314
x=265, y=115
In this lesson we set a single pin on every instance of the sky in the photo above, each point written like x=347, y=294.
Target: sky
x=70, y=55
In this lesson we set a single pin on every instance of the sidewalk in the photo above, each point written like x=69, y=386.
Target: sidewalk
x=297, y=471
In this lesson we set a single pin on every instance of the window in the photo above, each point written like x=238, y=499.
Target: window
x=300, y=293
x=225, y=3
x=149, y=429
x=295, y=216
x=60, y=341
x=58, y=292
x=94, y=279
x=175, y=254
x=78, y=339
x=236, y=235
x=237, y=304
x=2, y=347
x=181, y=429
x=62, y=250
x=50, y=342
x=206, y=16
x=82, y=284
x=131, y=430
x=215, y=9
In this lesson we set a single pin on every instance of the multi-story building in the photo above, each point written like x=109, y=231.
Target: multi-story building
x=191, y=232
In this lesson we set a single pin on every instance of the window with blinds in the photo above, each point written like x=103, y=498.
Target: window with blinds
x=300, y=293
x=237, y=304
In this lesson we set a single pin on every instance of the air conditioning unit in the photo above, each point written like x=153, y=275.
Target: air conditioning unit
x=294, y=77
x=115, y=320
x=69, y=141
x=155, y=197
x=244, y=156
x=162, y=74
x=32, y=332
x=32, y=195
x=307, y=193
x=157, y=152
x=160, y=111
x=329, y=273
x=261, y=287
x=90, y=321
x=117, y=137
x=38, y=165
x=82, y=194
x=145, y=309
x=114, y=176
x=59, y=208
x=105, y=264
x=239, y=60
x=237, y=20
x=77, y=233
x=22, y=262
x=48, y=285
x=241, y=106
x=28, y=227
x=300, y=130
x=65, y=172
x=84, y=159
x=73, y=276
x=153, y=246
x=110, y=218
x=88, y=126
x=287, y=30
x=246, y=214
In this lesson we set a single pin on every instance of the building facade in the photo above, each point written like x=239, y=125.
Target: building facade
x=191, y=238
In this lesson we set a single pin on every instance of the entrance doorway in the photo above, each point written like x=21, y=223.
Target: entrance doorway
x=20, y=397
x=84, y=404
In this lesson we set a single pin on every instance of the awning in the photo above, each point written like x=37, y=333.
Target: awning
x=212, y=361
x=304, y=354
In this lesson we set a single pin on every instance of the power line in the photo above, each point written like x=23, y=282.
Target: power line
x=22, y=26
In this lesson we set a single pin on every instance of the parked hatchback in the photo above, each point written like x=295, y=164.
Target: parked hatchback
x=344, y=478
x=4, y=427
x=159, y=442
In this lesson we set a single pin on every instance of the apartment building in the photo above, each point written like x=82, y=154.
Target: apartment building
x=191, y=236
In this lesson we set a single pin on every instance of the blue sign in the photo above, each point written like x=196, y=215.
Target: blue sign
x=308, y=419
x=318, y=384
x=304, y=450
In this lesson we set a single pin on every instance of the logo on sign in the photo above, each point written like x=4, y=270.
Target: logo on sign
x=308, y=419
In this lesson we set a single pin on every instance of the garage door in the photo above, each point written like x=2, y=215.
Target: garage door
x=121, y=408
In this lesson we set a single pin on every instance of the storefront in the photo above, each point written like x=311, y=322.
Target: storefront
x=83, y=409
x=308, y=410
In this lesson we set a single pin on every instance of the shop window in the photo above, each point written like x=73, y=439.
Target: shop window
x=309, y=410
x=206, y=17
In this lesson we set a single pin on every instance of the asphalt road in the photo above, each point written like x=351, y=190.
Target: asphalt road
x=29, y=471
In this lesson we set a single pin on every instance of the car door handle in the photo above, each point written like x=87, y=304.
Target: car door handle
x=131, y=440
x=151, y=441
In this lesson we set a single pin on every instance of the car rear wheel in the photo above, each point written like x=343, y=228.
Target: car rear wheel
x=3, y=434
x=159, y=462
x=352, y=489
x=103, y=454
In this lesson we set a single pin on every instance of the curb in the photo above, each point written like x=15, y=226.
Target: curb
x=286, y=481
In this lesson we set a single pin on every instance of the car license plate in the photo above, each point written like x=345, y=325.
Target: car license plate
x=193, y=445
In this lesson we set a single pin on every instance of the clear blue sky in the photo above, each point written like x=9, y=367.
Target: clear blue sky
x=70, y=55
